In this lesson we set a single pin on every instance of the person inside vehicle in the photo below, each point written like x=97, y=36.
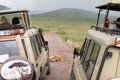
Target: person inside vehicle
x=15, y=20
x=107, y=24
x=117, y=22
x=4, y=21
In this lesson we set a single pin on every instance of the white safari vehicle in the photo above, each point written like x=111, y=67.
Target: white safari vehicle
x=24, y=54
x=99, y=57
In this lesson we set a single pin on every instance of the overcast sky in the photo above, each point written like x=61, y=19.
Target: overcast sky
x=50, y=4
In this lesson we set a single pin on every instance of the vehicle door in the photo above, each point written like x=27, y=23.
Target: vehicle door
x=40, y=54
x=111, y=64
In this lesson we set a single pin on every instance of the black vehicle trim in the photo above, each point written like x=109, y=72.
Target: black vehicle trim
x=103, y=61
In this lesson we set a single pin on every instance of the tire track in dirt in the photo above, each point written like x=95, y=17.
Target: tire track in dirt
x=59, y=70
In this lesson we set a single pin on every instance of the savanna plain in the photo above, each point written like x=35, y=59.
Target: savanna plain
x=69, y=24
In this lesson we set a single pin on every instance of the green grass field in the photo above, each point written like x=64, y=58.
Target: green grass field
x=73, y=31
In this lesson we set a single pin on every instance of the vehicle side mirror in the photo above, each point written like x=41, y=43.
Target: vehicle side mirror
x=76, y=52
x=46, y=45
x=46, y=42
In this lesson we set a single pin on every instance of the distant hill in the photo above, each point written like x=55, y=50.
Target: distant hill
x=2, y=7
x=67, y=15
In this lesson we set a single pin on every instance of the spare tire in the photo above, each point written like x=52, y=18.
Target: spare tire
x=17, y=68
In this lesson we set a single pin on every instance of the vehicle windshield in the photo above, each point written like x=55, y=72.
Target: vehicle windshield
x=7, y=49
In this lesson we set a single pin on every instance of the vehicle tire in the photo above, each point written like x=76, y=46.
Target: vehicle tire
x=48, y=65
x=18, y=62
x=72, y=77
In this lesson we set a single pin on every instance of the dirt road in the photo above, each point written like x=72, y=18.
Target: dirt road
x=59, y=70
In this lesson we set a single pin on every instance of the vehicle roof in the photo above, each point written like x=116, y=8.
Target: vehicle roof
x=112, y=4
x=9, y=11
x=103, y=38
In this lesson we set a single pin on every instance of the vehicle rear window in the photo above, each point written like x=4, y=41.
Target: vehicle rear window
x=8, y=48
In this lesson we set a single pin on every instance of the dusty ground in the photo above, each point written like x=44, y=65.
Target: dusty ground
x=59, y=70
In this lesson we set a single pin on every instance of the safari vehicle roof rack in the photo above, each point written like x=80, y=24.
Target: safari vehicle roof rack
x=113, y=5
x=9, y=11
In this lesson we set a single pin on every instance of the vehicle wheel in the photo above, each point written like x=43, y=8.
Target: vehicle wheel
x=48, y=65
x=72, y=77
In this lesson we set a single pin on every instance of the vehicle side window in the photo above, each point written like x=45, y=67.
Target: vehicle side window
x=90, y=58
x=88, y=54
x=35, y=46
x=40, y=43
x=41, y=36
x=41, y=39
x=84, y=48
